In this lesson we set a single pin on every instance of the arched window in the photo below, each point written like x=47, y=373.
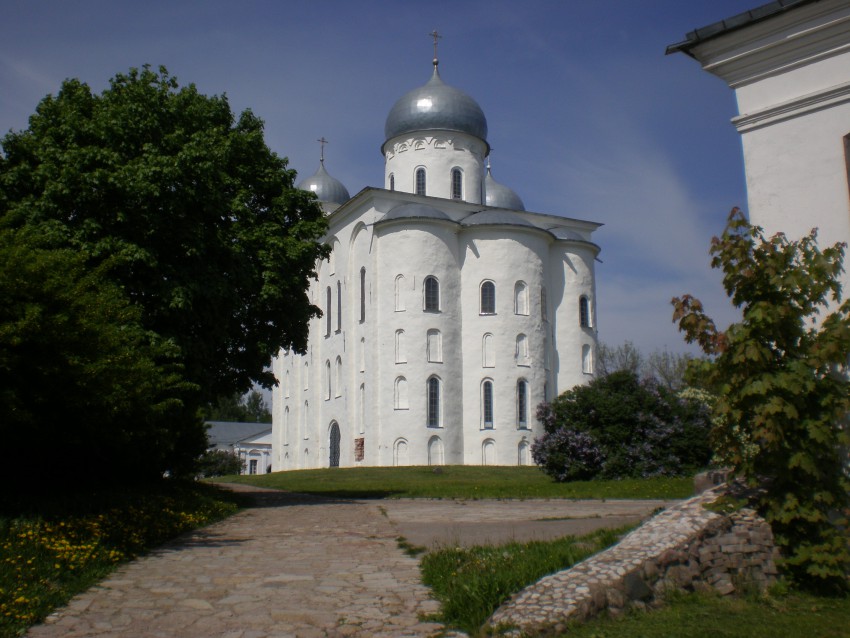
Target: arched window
x=305, y=431
x=400, y=400
x=487, y=403
x=306, y=375
x=338, y=306
x=286, y=426
x=420, y=181
x=522, y=453
x=488, y=298
x=400, y=452
x=488, y=356
x=286, y=385
x=433, y=402
x=586, y=359
x=522, y=358
x=399, y=293
x=457, y=184
x=435, y=451
x=520, y=298
x=392, y=182
x=432, y=294
x=488, y=452
x=327, y=379
x=583, y=312
x=435, y=346
x=362, y=354
x=522, y=403
x=362, y=294
x=328, y=312
x=400, y=354
x=362, y=415
x=338, y=377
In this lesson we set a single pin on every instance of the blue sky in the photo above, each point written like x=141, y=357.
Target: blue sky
x=587, y=116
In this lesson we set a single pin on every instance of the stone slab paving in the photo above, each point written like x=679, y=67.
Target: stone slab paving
x=295, y=566
x=307, y=566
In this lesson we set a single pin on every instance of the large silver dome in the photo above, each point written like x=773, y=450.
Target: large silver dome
x=328, y=189
x=436, y=106
x=500, y=196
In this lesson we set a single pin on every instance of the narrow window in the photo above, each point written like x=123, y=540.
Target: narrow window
x=522, y=358
x=399, y=293
x=522, y=403
x=488, y=356
x=544, y=311
x=457, y=184
x=392, y=182
x=338, y=378
x=586, y=359
x=328, y=312
x=400, y=394
x=286, y=426
x=488, y=298
x=433, y=402
x=338, y=306
x=362, y=295
x=362, y=354
x=362, y=408
x=306, y=376
x=305, y=433
x=400, y=354
x=327, y=379
x=432, y=294
x=420, y=181
x=487, y=403
x=520, y=298
x=435, y=346
x=286, y=385
x=583, y=312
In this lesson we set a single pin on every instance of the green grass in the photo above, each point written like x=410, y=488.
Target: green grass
x=471, y=583
x=793, y=615
x=52, y=549
x=463, y=482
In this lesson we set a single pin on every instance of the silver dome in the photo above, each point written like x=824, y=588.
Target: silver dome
x=436, y=106
x=500, y=196
x=327, y=188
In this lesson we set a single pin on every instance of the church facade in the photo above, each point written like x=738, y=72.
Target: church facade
x=449, y=312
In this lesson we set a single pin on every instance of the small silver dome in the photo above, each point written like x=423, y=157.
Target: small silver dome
x=327, y=188
x=500, y=196
x=414, y=211
x=436, y=106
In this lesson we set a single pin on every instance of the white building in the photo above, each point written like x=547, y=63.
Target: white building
x=789, y=64
x=449, y=311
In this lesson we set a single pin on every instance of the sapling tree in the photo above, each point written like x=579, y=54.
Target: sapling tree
x=783, y=396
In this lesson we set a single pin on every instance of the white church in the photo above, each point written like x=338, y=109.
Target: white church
x=449, y=312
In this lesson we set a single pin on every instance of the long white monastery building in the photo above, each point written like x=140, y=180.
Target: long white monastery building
x=449, y=311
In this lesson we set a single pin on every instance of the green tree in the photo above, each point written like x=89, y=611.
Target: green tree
x=81, y=380
x=249, y=408
x=628, y=427
x=208, y=236
x=219, y=463
x=783, y=395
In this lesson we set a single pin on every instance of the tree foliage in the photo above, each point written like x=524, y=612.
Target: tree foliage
x=248, y=408
x=783, y=396
x=208, y=236
x=199, y=250
x=80, y=377
x=219, y=463
x=664, y=367
x=620, y=426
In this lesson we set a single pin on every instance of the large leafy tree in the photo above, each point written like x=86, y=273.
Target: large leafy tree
x=783, y=395
x=207, y=234
x=85, y=390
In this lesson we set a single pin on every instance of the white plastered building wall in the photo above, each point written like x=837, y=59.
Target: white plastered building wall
x=364, y=391
x=791, y=76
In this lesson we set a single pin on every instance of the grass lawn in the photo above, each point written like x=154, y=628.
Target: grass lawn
x=457, y=481
x=793, y=615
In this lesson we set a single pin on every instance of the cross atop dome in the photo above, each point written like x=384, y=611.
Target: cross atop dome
x=435, y=35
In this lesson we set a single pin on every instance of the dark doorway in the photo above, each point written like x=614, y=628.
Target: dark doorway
x=334, y=460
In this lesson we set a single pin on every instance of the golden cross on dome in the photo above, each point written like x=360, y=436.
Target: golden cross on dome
x=435, y=35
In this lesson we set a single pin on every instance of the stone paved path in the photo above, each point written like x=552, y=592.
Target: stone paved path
x=303, y=566
x=296, y=567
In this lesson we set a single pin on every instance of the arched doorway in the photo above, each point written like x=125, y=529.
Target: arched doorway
x=334, y=445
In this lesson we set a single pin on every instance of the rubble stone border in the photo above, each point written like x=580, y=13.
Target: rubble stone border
x=686, y=547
